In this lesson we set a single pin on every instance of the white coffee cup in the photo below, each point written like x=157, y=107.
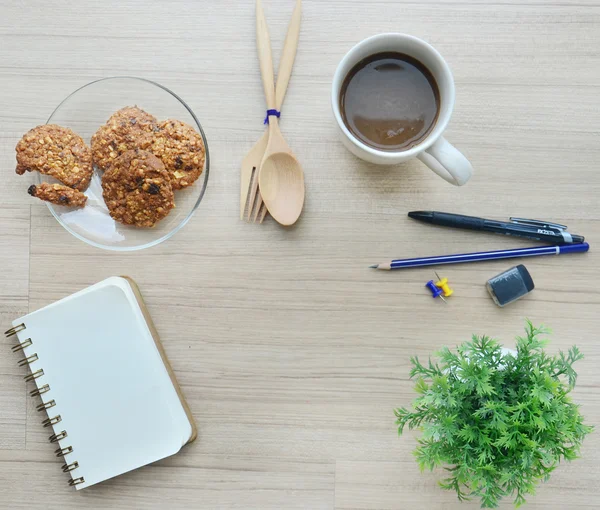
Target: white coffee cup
x=435, y=151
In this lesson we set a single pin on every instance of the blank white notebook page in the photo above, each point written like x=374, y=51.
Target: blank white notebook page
x=112, y=390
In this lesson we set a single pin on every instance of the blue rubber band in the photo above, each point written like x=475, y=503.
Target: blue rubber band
x=270, y=113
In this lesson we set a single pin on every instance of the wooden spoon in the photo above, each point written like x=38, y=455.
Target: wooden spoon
x=280, y=178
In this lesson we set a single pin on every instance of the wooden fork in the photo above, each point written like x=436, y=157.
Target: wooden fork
x=251, y=204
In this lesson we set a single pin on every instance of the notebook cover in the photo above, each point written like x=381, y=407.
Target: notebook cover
x=163, y=355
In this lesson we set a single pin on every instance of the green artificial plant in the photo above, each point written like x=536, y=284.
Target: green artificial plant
x=498, y=422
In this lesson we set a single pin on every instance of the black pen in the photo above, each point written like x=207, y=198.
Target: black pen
x=551, y=233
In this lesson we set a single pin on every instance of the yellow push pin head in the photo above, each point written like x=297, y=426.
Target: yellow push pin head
x=442, y=283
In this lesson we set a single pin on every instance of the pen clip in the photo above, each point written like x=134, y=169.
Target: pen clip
x=538, y=223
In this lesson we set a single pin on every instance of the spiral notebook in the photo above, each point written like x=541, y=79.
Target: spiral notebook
x=112, y=401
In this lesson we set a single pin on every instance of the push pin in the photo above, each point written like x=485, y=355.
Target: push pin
x=435, y=292
x=442, y=283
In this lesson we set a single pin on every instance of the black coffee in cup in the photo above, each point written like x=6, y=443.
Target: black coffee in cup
x=390, y=101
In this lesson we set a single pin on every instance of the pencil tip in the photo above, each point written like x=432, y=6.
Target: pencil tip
x=374, y=266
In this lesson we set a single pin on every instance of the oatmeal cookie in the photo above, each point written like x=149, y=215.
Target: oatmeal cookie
x=180, y=147
x=56, y=151
x=137, y=189
x=122, y=132
x=58, y=194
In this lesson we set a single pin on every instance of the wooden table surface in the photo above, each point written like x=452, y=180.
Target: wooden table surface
x=292, y=353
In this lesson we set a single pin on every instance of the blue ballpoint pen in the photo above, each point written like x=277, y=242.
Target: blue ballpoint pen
x=478, y=257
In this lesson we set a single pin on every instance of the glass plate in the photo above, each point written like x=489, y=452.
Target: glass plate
x=84, y=111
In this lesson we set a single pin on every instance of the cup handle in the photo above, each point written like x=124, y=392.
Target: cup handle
x=447, y=161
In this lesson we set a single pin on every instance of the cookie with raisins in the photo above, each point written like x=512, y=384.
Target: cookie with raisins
x=58, y=194
x=181, y=148
x=122, y=132
x=137, y=189
x=56, y=151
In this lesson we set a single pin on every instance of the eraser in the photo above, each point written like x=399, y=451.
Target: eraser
x=510, y=285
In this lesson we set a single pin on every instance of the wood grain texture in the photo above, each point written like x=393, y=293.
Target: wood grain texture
x=291, y=353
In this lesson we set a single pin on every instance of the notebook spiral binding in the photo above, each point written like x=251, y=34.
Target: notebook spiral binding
x=44, y=406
